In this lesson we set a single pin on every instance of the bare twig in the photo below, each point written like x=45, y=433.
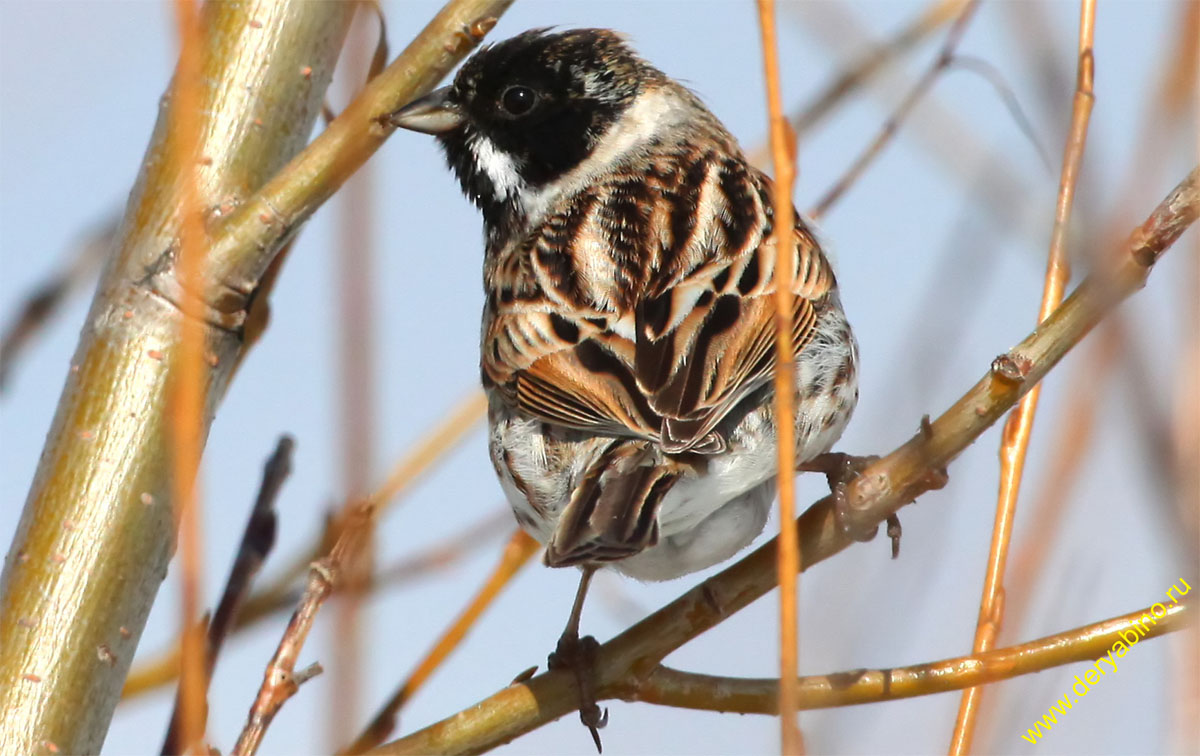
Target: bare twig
x=257, y=541
x=162, y=669
x=1050, y=507
x=853, y=77
x=41, y=304
x=669, y=687
x=943, y=59
x=281, y=681
x=883, y=487
x=186, y=398
x=518, y=551
x=1019, y=427
x=783, y=157
x=353, y=261
x=990, y=74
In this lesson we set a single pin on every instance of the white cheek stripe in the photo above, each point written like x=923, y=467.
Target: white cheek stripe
x=498, y=166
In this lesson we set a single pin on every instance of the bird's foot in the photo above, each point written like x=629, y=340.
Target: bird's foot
x=839, y=469
x=579, y=655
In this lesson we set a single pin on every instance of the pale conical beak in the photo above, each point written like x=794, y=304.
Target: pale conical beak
x=432, y=114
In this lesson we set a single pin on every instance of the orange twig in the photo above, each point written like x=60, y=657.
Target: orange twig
x=187, y=398
x=518, y=551
x=435, y=444
x=1050, y=507
x=1020, y=423
x=784, y=157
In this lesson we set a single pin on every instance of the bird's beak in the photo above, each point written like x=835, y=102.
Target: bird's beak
x=434, y=113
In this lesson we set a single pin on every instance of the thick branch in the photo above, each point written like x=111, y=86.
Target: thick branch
x=880, y=490
x=97, y=530
x=251, y=236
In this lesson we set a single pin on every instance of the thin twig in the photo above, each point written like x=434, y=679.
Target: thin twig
x=1019, y=427
x=1050, y=507
x=257, y=541
x=186, y=399
x=853, y=77
x=281, y=681
x=163, y=668
x=884, y=487
x=41, y=304
x=995, y=79
x=783, y=157
x=949, y=142
x=516, y=553
x=353, y=261
x=892, y=125
x=669, y=687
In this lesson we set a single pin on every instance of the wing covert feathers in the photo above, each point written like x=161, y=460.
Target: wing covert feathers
x=582, y=331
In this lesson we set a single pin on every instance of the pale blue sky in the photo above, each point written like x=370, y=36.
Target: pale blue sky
x=79, y=88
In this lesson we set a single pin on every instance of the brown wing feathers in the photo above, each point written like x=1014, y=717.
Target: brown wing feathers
x=661, y=351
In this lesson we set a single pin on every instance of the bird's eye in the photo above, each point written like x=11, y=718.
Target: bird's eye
x=518, y=100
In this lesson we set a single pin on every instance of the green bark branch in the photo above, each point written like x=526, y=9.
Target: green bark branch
x=97, y=530
x=670, y=687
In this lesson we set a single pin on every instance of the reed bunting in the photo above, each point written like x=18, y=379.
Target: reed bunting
x=628, y=330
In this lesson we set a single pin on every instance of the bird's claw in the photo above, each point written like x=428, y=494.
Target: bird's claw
x=579, y=655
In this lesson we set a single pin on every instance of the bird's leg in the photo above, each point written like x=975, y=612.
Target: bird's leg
x=579, y=655
x=839, y=469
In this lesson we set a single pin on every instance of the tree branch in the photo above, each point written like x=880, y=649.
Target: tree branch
x=253, y=234
x=95, y=535
x=892, y=125
x=783, y=159
x=97, y=530
x=258, y=539
x=670, y=687
x=883, y=488
x=1019, y=428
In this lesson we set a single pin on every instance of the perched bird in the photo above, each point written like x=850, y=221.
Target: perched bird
x=627, y=344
